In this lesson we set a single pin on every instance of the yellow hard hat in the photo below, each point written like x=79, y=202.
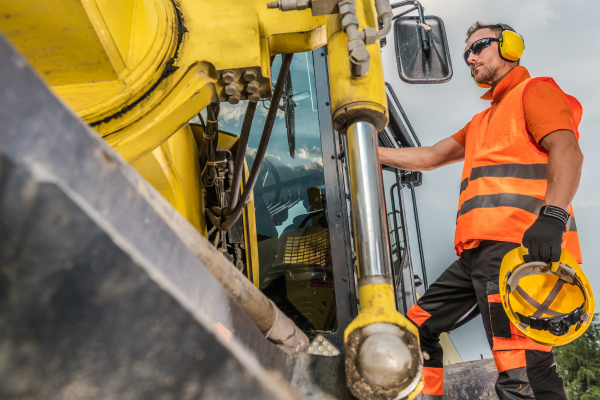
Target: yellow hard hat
x=552, y=304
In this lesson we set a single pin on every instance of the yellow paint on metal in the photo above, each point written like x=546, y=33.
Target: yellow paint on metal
x=108, y=60
x=298, y=42
x=119, y=19
x=173, y=170
x=65, y=50
x=250, y=236
x=355, y=98
x=377, y=304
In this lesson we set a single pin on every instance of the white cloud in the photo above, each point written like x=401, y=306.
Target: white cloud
x=263, y=110
x=233, y=114
x=302, y=153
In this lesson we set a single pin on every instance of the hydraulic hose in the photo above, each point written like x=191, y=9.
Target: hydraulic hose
x=387, y=27
x=262, y=146
x=385, y=13
x=403, y=3
x=240, y=156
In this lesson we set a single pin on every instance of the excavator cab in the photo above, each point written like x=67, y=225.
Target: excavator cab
x=302, y=205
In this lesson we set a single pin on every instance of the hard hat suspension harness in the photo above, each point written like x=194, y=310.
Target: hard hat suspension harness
x=559, y=324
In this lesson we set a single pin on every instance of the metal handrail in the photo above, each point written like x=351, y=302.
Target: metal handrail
x=418, y=229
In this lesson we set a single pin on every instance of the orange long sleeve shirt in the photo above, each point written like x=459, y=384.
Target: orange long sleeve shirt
x=546, y=108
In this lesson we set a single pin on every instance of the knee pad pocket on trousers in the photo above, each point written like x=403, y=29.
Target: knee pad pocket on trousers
x=499, y=321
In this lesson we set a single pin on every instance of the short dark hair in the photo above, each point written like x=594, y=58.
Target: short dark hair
x=496, y=28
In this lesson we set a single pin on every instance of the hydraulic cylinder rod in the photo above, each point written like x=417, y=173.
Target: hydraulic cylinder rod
x=381, y=346
x=372, y=242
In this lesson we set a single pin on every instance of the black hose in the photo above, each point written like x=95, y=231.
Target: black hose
x=264, y=142
x=240, y=156
x=211, y=134
x=404, y=13
x=213, y=218
x=418, y=228
x=201, y=121
x=424, y=34
x=403, y=4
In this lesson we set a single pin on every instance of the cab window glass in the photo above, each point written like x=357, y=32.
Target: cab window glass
x=290, y=203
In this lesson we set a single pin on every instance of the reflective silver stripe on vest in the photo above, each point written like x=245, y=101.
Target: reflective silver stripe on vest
x=521, y=171
x=464, y=184
x=571, y=224
x=528, y=203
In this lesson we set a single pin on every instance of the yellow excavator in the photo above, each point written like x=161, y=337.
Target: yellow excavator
x=192, y=205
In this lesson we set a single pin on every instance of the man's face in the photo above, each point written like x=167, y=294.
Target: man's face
x=484, y=65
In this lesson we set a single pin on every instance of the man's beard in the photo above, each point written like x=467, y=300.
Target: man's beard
x=487, y=74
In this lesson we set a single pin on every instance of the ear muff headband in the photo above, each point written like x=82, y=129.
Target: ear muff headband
x=511, y=45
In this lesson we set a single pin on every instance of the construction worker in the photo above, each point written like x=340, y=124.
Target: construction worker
x=522, y=166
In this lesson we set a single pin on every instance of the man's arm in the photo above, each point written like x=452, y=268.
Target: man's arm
x=543, y=239
x=564, y=167
x=444, y=152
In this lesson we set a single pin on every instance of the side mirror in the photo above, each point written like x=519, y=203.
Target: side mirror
x=422, y=50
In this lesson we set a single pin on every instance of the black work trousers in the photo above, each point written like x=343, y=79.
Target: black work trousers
x=467, y=288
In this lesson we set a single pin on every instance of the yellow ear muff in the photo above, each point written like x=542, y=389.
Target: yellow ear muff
x=511, y=45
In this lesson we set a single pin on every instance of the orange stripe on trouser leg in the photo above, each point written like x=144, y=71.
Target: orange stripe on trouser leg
x=417, y=315
x=509, y=359
x=434, y=381
x=494, y=298
x=517, y=341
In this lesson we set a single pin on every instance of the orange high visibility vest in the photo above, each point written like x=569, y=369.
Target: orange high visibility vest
x=503, y=182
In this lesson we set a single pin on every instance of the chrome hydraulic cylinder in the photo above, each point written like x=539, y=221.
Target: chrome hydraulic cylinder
x=368, y=207
x=382, y=354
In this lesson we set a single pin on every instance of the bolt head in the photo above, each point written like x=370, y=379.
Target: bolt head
x=354, y=44
x=359, y=55
x=370, y=35
x=359, y=61
x=254, y=97
x=228, y=76
x=301, y=5
x=347, y=9
x=252, y=87
x=249, y=75
x=348, y=20
x=234, y=99
x=231, y=89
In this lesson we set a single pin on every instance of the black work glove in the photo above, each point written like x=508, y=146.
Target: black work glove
x=543, y=239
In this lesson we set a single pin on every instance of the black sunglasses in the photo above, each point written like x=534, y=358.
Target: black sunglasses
x=478, y=47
